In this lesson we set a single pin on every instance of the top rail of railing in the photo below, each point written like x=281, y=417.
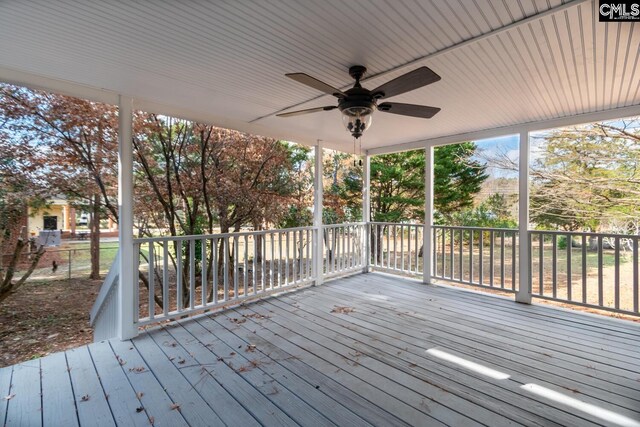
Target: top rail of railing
x=218, y=235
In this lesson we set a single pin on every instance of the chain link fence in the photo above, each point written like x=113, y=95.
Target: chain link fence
x=70, y=261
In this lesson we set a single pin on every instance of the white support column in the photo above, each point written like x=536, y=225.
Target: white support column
x=318, y=194
x=427, y=249
x=128, y=277
x=524, y=275
x=366, y=207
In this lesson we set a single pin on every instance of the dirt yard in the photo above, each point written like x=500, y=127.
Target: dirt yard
x=45, y=317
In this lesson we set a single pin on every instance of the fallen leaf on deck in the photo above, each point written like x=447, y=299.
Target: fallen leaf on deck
x=9, y=397
x=175, y=407
x=139, y=394
x=139, y=409
x=343, y=310
x=85, y=398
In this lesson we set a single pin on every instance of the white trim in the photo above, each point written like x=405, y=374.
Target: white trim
x=524, y=275
x=366, y=209
x=128, y=279
x=578, y=119
x=318, y=195
x=427, y=250
x=62, y=87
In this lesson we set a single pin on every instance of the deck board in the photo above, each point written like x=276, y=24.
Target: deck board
x=58, y=402
x=5, y=391
x=25, y=406
x=294, y=359
x=473, y=340
x=89, y=396
x=418, y=339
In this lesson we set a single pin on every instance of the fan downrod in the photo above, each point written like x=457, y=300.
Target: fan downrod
x=357, y=71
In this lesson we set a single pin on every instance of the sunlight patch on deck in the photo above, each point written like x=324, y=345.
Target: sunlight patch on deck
x=588, y=408
x=472, y=366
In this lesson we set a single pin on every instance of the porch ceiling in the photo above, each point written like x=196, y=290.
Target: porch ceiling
x=502, y=63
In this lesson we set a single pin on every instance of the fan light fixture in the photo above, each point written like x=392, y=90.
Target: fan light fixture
x=357, y=120
x=357, y=104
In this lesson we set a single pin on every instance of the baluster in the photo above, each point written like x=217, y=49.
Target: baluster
x=554, y=264
x=452, y=243
x=635, y=274
x=272, y=261
x=295, y=256
x=307, y=261
x=402, y=247
x=410, y=258
x=460, y=258
x=600, y=275
x=491, y=258
x=152, y=281
x=481, y=258
x=584, y=268
x=254, y=274
x=502, y=259
x=192, y=273
x=225, y=243
x=136, y=271
x=214, y=279
x=165, y=278
x=513, y=260
x=280, y=278
x=388, y=227
x=234, y=266
x=471, y=255
x=179, y=289
x=245, y=271
x=569, y=274
x=616, y=289
x=263, y=269
x=541, y=269
x=203, y=287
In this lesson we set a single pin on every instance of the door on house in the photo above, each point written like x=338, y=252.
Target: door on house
x=50, y=222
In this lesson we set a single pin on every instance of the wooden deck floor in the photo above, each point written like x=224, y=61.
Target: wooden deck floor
x=366, y=350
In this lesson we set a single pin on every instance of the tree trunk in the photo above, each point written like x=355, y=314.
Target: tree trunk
x=95, y=237
x=7, y=285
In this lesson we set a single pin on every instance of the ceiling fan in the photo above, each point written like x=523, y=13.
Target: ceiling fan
x=357, y=104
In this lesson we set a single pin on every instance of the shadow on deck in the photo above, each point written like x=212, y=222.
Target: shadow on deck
x=365, y=350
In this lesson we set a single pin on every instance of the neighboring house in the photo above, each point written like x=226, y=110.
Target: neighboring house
x=58, y=215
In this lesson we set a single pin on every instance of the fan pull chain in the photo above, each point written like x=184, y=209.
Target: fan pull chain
x=354, y=151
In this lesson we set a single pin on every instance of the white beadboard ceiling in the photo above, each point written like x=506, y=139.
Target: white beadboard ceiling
x=502, y=62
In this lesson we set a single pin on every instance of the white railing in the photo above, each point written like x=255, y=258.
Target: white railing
x=396, y=247
x=179, y=275
x=484, y=257
x=343, y=249
x=591, y=269
x=104, y=314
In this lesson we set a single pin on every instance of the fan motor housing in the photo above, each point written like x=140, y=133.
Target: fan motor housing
x=357, y=97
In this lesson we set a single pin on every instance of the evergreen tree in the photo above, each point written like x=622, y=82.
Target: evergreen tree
x=397, y=183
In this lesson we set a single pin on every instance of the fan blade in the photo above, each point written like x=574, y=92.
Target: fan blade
x=310, y=110
x=412, y=80
x=316, y=84
x=412, y=110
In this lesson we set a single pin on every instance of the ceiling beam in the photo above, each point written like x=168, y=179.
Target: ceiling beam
x=578, y=119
